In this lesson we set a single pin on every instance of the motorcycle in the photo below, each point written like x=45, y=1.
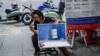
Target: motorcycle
x=46, y=5
x=18, y=14
x=50, y=10
x=13, y=14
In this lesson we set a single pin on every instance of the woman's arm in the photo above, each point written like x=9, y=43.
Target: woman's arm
x=33, y=30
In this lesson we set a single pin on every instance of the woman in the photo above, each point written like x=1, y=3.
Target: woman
x=40, y=19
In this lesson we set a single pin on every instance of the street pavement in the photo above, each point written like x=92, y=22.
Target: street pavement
x=15, y=40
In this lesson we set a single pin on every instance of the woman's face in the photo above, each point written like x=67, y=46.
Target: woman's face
x=36, y=17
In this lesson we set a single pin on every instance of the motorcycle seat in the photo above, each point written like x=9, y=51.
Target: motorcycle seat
x=10, y=10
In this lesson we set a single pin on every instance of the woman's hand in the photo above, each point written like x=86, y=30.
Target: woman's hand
x=33, y=30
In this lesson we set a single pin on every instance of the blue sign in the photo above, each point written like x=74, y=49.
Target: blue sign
x=51, y=33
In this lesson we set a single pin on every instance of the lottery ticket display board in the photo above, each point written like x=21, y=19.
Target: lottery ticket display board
x=52, y=35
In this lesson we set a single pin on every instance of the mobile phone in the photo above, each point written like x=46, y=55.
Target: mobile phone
x=30, y=26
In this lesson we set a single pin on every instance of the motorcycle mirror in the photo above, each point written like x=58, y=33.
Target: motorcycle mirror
x=31, y=6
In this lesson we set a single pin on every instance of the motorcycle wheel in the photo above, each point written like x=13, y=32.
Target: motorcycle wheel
x=27, y=19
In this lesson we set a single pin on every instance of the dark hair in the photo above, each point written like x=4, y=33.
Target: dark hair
x=39, y=13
